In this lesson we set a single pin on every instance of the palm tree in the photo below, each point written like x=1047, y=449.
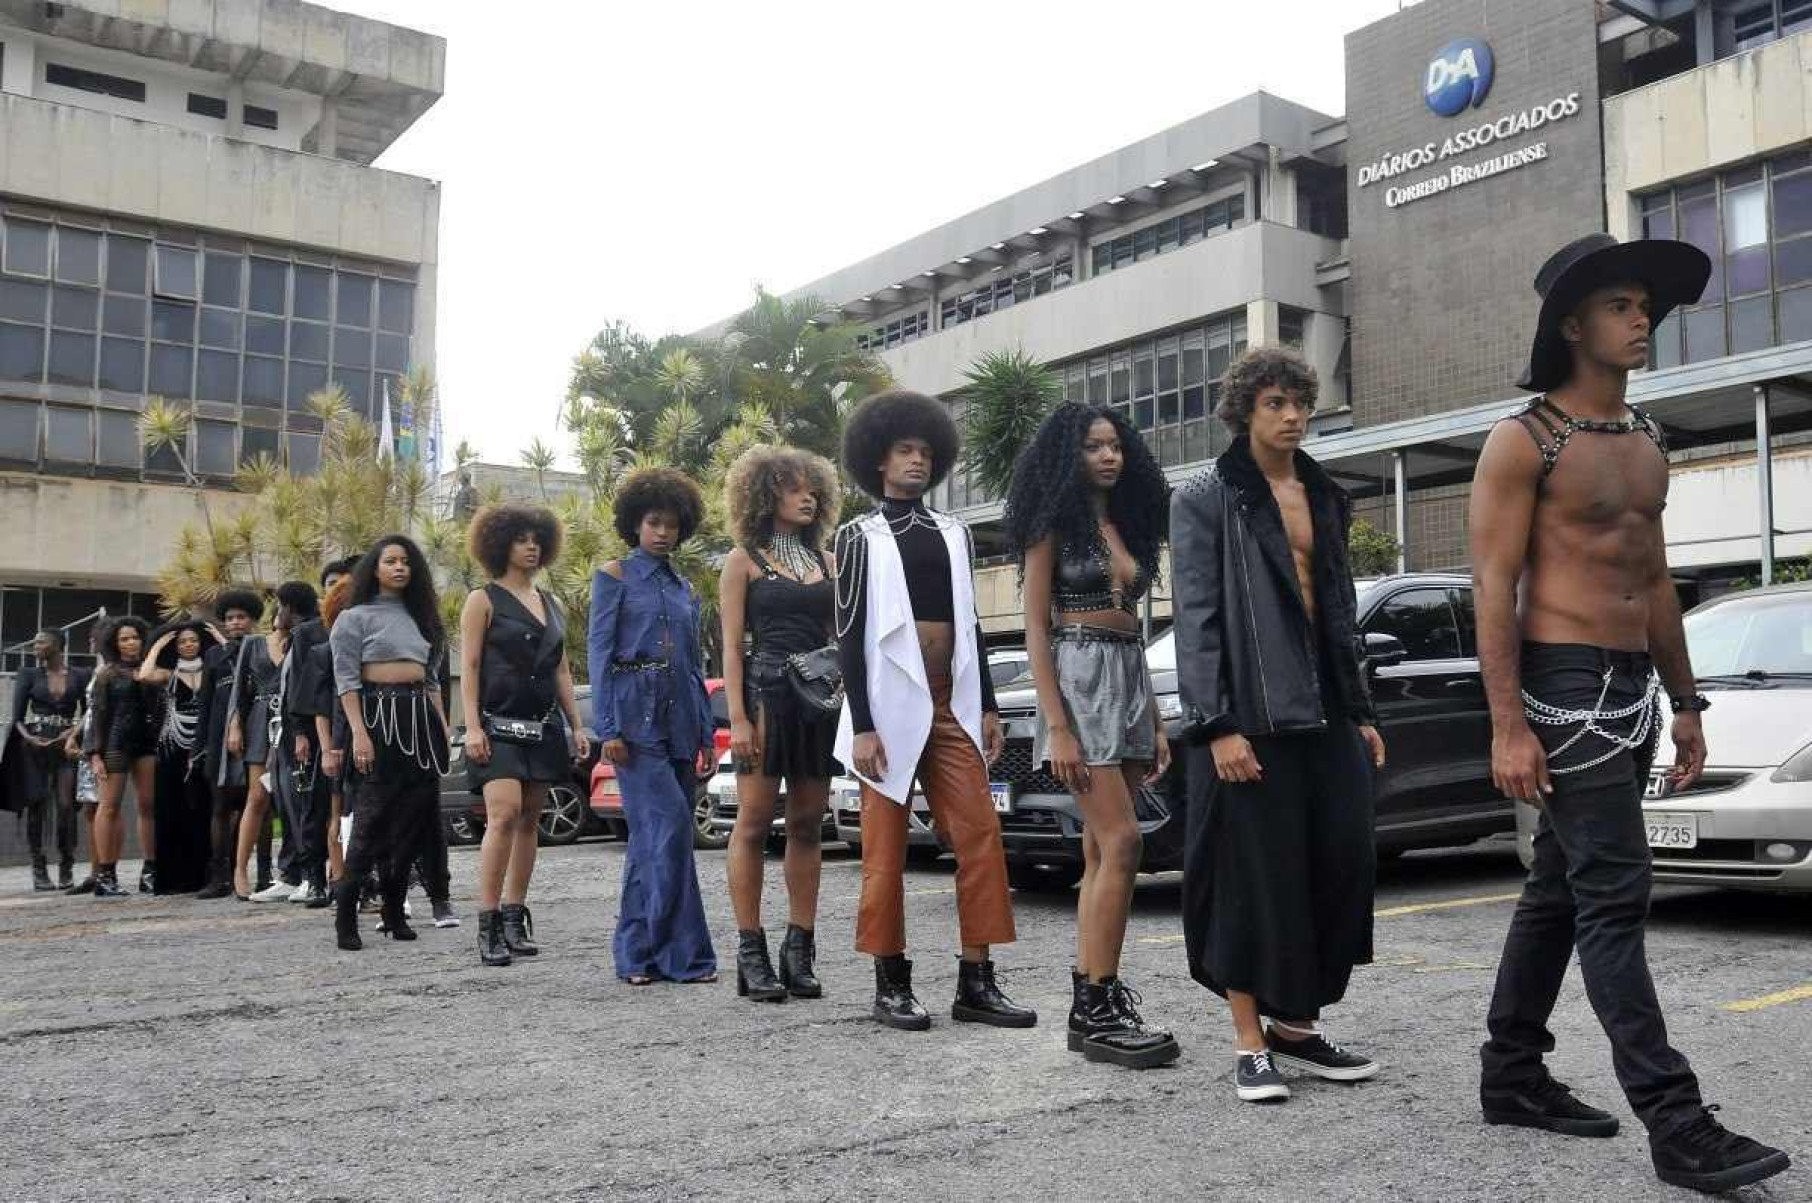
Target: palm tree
x=807, y=371
x=1008, y=394
x=538, y=458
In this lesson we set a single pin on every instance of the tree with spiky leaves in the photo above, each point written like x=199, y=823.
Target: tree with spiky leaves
x=1008, y=394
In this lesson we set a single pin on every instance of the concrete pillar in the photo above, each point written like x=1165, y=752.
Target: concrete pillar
x=235, y=102
x=327, y=133
x=19, y=73
x=1279, y=192
x=1705, y=29
x=1400, y=494
x=1261, y=323
x=1323, y=337
x=1764, y=480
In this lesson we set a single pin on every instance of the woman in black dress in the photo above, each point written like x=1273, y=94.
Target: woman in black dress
x=122, y=747
x=38, y=771
x=256, y=680
x=776, y=590
x=514, y=685
x=185, y=804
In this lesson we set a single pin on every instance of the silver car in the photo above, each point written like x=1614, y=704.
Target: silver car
x=1747, y=823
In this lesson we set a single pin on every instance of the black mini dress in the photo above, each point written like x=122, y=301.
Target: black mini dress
x=785, y=618
x=518, y=677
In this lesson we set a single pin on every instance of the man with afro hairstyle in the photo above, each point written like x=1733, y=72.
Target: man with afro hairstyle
x=918, y=703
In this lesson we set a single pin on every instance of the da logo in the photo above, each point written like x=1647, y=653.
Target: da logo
x=1459, y=76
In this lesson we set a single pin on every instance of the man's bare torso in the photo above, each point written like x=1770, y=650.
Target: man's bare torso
x=1299, y=527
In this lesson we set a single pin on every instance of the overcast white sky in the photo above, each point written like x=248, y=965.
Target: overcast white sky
x=653, y=160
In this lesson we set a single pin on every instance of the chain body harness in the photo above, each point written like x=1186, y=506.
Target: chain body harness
x=387, y=721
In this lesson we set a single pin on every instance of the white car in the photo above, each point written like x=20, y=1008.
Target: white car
x=1747, y=823
x=721, y=789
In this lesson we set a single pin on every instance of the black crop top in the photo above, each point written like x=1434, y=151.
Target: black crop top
x=786, y=616
x=1083, y=579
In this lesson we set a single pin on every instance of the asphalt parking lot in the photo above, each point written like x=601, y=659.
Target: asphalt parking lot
x=175, y=1049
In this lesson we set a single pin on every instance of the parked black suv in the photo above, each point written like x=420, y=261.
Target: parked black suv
x=1422, y=664
x=566, y=816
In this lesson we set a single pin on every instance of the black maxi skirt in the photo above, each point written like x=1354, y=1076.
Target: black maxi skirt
x=1278, y=874
x=183, y=814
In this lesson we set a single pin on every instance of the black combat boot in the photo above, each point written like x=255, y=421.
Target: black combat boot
x=797, y=952
x=895, y=1005
x=979, y=1000
x=754, y=970
x=491, y=948
x=1105, y=1026
x=40, y=873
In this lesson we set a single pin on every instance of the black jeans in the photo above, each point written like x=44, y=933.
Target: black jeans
x=398, y=798
x=304, y=813
x=1588, y=889
x=56, y=809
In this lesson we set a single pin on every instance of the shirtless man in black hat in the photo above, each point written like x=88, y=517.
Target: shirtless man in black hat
x=1576, y=616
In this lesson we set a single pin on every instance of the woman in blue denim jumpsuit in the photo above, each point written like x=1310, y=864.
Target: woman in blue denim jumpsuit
x=654, y=723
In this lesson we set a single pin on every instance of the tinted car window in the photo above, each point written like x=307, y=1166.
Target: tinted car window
x=1424, y=620
x=1004, y=672
x=720, y=709
x=1469, y=635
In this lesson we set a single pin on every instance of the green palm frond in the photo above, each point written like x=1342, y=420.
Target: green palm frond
x=1009, y=393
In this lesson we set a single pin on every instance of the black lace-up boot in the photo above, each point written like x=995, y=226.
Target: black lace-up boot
x=755, y=969
x=797, y=953
x=895, y=1004
x=979, y=1000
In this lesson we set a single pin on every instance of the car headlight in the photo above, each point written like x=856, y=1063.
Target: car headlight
x=1170, y=706
x=1797, y=768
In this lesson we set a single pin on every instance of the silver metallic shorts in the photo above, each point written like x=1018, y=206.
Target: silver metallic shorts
x=1106, y=693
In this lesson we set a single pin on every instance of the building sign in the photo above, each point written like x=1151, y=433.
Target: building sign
x=1459, y=77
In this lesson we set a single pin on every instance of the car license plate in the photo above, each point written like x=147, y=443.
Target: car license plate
x=1672, y=830
x=1660, y=784
x=1003, y=797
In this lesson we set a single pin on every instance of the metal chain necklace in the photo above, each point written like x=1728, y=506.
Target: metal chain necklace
x=786, y=550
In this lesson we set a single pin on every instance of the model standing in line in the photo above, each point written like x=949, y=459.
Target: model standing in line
x=515, y=685
x=122, y=750
x=302, y=790
x=1086, y=517
x=777, y=590
x=654, y=718
x=1576, y=613
x=238, y=610
x=919, y=704
x=332, y=735
x=87, y=788
x=388, y=646
x=307, y=699
x=39, y=775
x=1279, y=864
x=173, y=666
x=252, y=703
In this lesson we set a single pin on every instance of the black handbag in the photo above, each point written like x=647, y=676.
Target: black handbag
x=817, y=679
x=527, y=732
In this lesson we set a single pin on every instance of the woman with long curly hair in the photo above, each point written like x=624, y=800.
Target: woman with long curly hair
x=387, y=651
x=777, y=590
x=654, y=718
x=515, y=684
x=1086, y=517
x=122, y=747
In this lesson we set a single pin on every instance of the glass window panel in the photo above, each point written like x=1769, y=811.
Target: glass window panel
x=23, y=301
x=1167, y=236
x=1122, y=252
x=75, y=308
x=267, y=288
x=353, y=299
x=27, y=248
x=1192, y=362
x=1104, y=258
x=69, y=435
x=1745, y=217
x=1170, y=446
x=128, y=259
x=78, y=256
x=312, y=297
x=308, y=340
x=1424, y=620
x=71, y=358
x=396, y=306
x=1097, y=382
x=118, y=443
x=1792, y=205
x=263, y=335
x=220, y=279
x=1796, y=315
x=123, y=365
x=1190, y=227
x=19, y=430
x=1145, y=244
x=1142, y=375
x=1665, y=345
x=1022, y=287
x=123, y=315
x=216, y=448
x=1041, y=283
x=171, y=373
x=1141, y=415
x=217, y=376
x=263, y=381
x=304, y=453
x=1120, y=380
x=1704, y=334
x=1167, y=366
x=393, y=351
x=1168, y=409
x=1797, y=161
x=256, y=442
x=177, y=272
x=1751, y=324
x=163, y=460
x=173, y=321
x=1194, y=399
x=1747, y=271
x=1219, y=358
x=1659, y=224
x=1195, y=441
x=21, y=352
x=220, y=328
x=305, y=379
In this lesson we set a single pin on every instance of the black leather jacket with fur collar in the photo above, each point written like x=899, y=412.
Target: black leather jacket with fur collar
x=1247, y=659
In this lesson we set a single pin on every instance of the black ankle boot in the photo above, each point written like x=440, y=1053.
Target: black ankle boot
x=517, y=924
x=66, y=874
x=40, y=875
x=491, y=947
x=396, y=924
x=895, y=1005
x=797, y=952
x=979, y=1000
x=1105, y=1025
x=754, y=971
x=346, y=917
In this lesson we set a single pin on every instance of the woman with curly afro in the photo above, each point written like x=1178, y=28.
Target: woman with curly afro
x=654, y=719
x=122, y=748
x=1086, y=515
x=776, y=589
x=514, y=686
x=173, y=667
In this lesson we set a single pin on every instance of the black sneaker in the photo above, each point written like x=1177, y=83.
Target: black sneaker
x=1548, y=1105
x=1319, y=1056
x=1704, y=1155
x=1256, y=1080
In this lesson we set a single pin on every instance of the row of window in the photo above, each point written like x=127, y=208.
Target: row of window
x=27, y=609
x=1768, y=21
x=900, y=330
x=78, y=438
x=102, y=83
x=1006, y=292
x=1756, y=224
x=1168, y=235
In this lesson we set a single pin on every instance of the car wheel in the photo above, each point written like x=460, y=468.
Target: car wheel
x=464, y=829
x=562, y=816
x=617, y=829
x=703, y=837
x=1042, y=879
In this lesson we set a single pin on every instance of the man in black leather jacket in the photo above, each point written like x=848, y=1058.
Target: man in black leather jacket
x=1279, y=729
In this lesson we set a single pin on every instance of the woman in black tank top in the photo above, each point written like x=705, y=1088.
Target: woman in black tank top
x=776, y=597
x=515, y=687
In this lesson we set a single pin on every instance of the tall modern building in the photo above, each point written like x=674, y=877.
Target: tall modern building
x=189, y=210
x=1396, y=246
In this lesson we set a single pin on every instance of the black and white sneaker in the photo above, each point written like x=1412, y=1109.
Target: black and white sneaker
x=1256, y=1080
x=1318, y=1055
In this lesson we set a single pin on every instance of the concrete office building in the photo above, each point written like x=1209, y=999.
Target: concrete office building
x=190, y=211
x=1480, y=136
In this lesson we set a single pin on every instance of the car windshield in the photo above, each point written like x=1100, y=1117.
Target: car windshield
x=1757, y=638
x=1009, y=670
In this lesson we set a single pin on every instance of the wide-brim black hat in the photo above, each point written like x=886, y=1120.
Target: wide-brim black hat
x=167, y=657
x=1675, y=274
